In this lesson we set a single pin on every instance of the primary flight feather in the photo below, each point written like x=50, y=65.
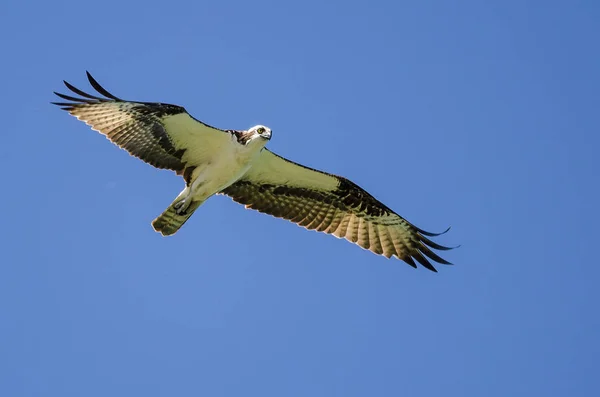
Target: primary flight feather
x=236, y=163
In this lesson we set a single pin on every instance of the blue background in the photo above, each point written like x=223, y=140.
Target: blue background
x=480, y=115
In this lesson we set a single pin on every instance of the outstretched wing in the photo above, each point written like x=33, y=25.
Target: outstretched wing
x=334, y=205
x=163, y=135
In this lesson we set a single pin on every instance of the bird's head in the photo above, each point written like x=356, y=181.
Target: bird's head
x=260, y=131
x=257, y=135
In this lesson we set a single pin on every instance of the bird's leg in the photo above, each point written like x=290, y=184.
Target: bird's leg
x=183, y=204
x=186, y=196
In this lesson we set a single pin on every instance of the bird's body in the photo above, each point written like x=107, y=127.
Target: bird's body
x=216, y=169
x=236, y=163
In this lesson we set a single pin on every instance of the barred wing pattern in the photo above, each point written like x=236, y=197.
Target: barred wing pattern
x=334, y=205
x=163, y=135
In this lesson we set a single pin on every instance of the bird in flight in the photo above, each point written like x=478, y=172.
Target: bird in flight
x=237, y=164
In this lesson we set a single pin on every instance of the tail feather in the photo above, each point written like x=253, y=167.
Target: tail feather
x=169, y=222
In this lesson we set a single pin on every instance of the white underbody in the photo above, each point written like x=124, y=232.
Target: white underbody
x=219, y=159
x=215, y=173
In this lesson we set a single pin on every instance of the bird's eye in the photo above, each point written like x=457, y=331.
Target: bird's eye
x=260, y=130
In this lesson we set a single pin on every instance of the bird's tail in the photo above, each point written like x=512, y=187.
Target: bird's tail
x=169, y=222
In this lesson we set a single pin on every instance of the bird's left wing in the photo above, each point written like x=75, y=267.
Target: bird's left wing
x=163, y=135
x=334, y=205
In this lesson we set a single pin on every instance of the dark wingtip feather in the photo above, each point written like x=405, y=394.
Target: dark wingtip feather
x=433, y=256
x=437, y=246
x=423, y=261
x=410, y=261
x=99, y=88
x=63, y=105
x=76, y=100
x=429, y=234
x=80, y=92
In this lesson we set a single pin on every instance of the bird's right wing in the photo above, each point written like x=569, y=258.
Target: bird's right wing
x=334, y=205
x=163, y=135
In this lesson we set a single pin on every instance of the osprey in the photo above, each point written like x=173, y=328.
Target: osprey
x=237, y=164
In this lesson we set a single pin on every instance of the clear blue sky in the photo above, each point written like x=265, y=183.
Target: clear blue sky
x=482, y=115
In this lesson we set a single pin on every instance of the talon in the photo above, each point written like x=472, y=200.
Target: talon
x=181, y=207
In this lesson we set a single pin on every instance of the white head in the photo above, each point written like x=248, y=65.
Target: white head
x=261, y=131
x=257, y=135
